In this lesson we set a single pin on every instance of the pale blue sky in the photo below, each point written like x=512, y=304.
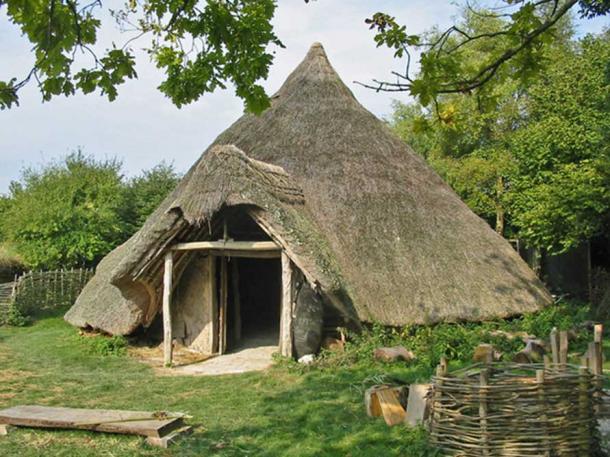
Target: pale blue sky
x=142, y=127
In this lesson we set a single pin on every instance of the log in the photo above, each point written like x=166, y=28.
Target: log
x=484, y=353
x=333, y=344
x=532, y=353
x=393, y=354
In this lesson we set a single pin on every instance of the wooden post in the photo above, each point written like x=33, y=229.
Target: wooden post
x=596, y=362
x=167, y=312
x=285, y=342
x=543, y=417
x=554, y=347
x=437, y=395
x=222, y=311
x=584, y=412
x=563, y=349
x=484, y=381
x=212, y=301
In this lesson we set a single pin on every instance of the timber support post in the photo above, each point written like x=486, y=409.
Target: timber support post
x=167, y=313
x=286, y=316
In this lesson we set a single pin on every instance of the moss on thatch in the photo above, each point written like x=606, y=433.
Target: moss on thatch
x=365, y=218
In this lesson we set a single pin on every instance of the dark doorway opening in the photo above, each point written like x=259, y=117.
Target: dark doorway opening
x=254, y=303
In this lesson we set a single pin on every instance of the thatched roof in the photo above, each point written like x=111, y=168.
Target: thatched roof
x=364, y=217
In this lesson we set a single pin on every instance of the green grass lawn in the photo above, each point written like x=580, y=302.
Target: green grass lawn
x=276, y=413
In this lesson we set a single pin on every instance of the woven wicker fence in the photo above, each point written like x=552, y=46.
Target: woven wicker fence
x=515, y=410
x=42, y=290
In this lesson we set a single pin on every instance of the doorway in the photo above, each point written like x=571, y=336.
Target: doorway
x=253, y=302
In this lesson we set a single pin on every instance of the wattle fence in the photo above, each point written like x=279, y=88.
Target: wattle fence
x=42, y=290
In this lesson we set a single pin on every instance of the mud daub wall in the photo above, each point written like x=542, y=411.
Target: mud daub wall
x=515, y=410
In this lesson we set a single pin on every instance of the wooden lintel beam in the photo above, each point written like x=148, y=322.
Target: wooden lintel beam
x=256, y=246
x=247, y=254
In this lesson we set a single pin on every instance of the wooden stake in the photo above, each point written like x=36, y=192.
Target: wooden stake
x=484, y=381
x=543, y=417
x=554, y=347
x=167, y=313
x=563, y=349
x=584, y=411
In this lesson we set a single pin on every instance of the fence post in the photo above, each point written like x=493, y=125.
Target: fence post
x=584, y=411
x=563, y=349
x=554, y=347
x=543, y=417
x=484, y=382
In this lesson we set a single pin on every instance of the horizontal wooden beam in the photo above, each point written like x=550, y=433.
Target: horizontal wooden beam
x=252, y=246
x=275, y=254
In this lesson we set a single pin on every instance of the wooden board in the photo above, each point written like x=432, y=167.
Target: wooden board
x=98, y=420
x=392, y=410
x=418, y=405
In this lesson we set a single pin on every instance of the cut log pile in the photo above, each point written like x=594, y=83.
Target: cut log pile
x=159, y=428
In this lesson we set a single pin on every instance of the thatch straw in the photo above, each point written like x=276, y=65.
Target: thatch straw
x=374, y=227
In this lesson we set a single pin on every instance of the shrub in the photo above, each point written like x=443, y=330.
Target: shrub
x=106, y=346
x=457, y=341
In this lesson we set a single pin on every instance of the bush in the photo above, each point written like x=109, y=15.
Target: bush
x=457, y=341
x=15, y=317
x=106, y=346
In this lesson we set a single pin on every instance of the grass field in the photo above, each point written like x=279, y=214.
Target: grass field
x=277, y=413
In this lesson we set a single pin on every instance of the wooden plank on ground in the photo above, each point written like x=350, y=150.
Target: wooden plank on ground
x=143, y=423
x=392, y=410
x=418, y=404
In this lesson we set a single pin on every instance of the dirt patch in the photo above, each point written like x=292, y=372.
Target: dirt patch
x=153, y=356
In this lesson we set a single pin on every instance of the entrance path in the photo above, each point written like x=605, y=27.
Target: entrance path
x=255, y=358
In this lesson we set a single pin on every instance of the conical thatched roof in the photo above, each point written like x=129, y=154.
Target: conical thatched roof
x=365, y=218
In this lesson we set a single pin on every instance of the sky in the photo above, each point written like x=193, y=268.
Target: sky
x=142, y=127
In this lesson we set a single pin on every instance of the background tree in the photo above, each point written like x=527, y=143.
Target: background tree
x=529, y=155
x=146, y=192
x=74, y=211
x=526, y=27
x=560, y=195
x=200, y=45
x=203, y=45
x=66, y=214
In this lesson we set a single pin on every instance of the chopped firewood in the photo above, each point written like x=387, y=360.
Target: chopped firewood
x=391, y=409
x=371, y=399
x=486, y=353
x=333, y=344
x=393, y=354
x=418, y=406
x=371, y=402
x=533, y=353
